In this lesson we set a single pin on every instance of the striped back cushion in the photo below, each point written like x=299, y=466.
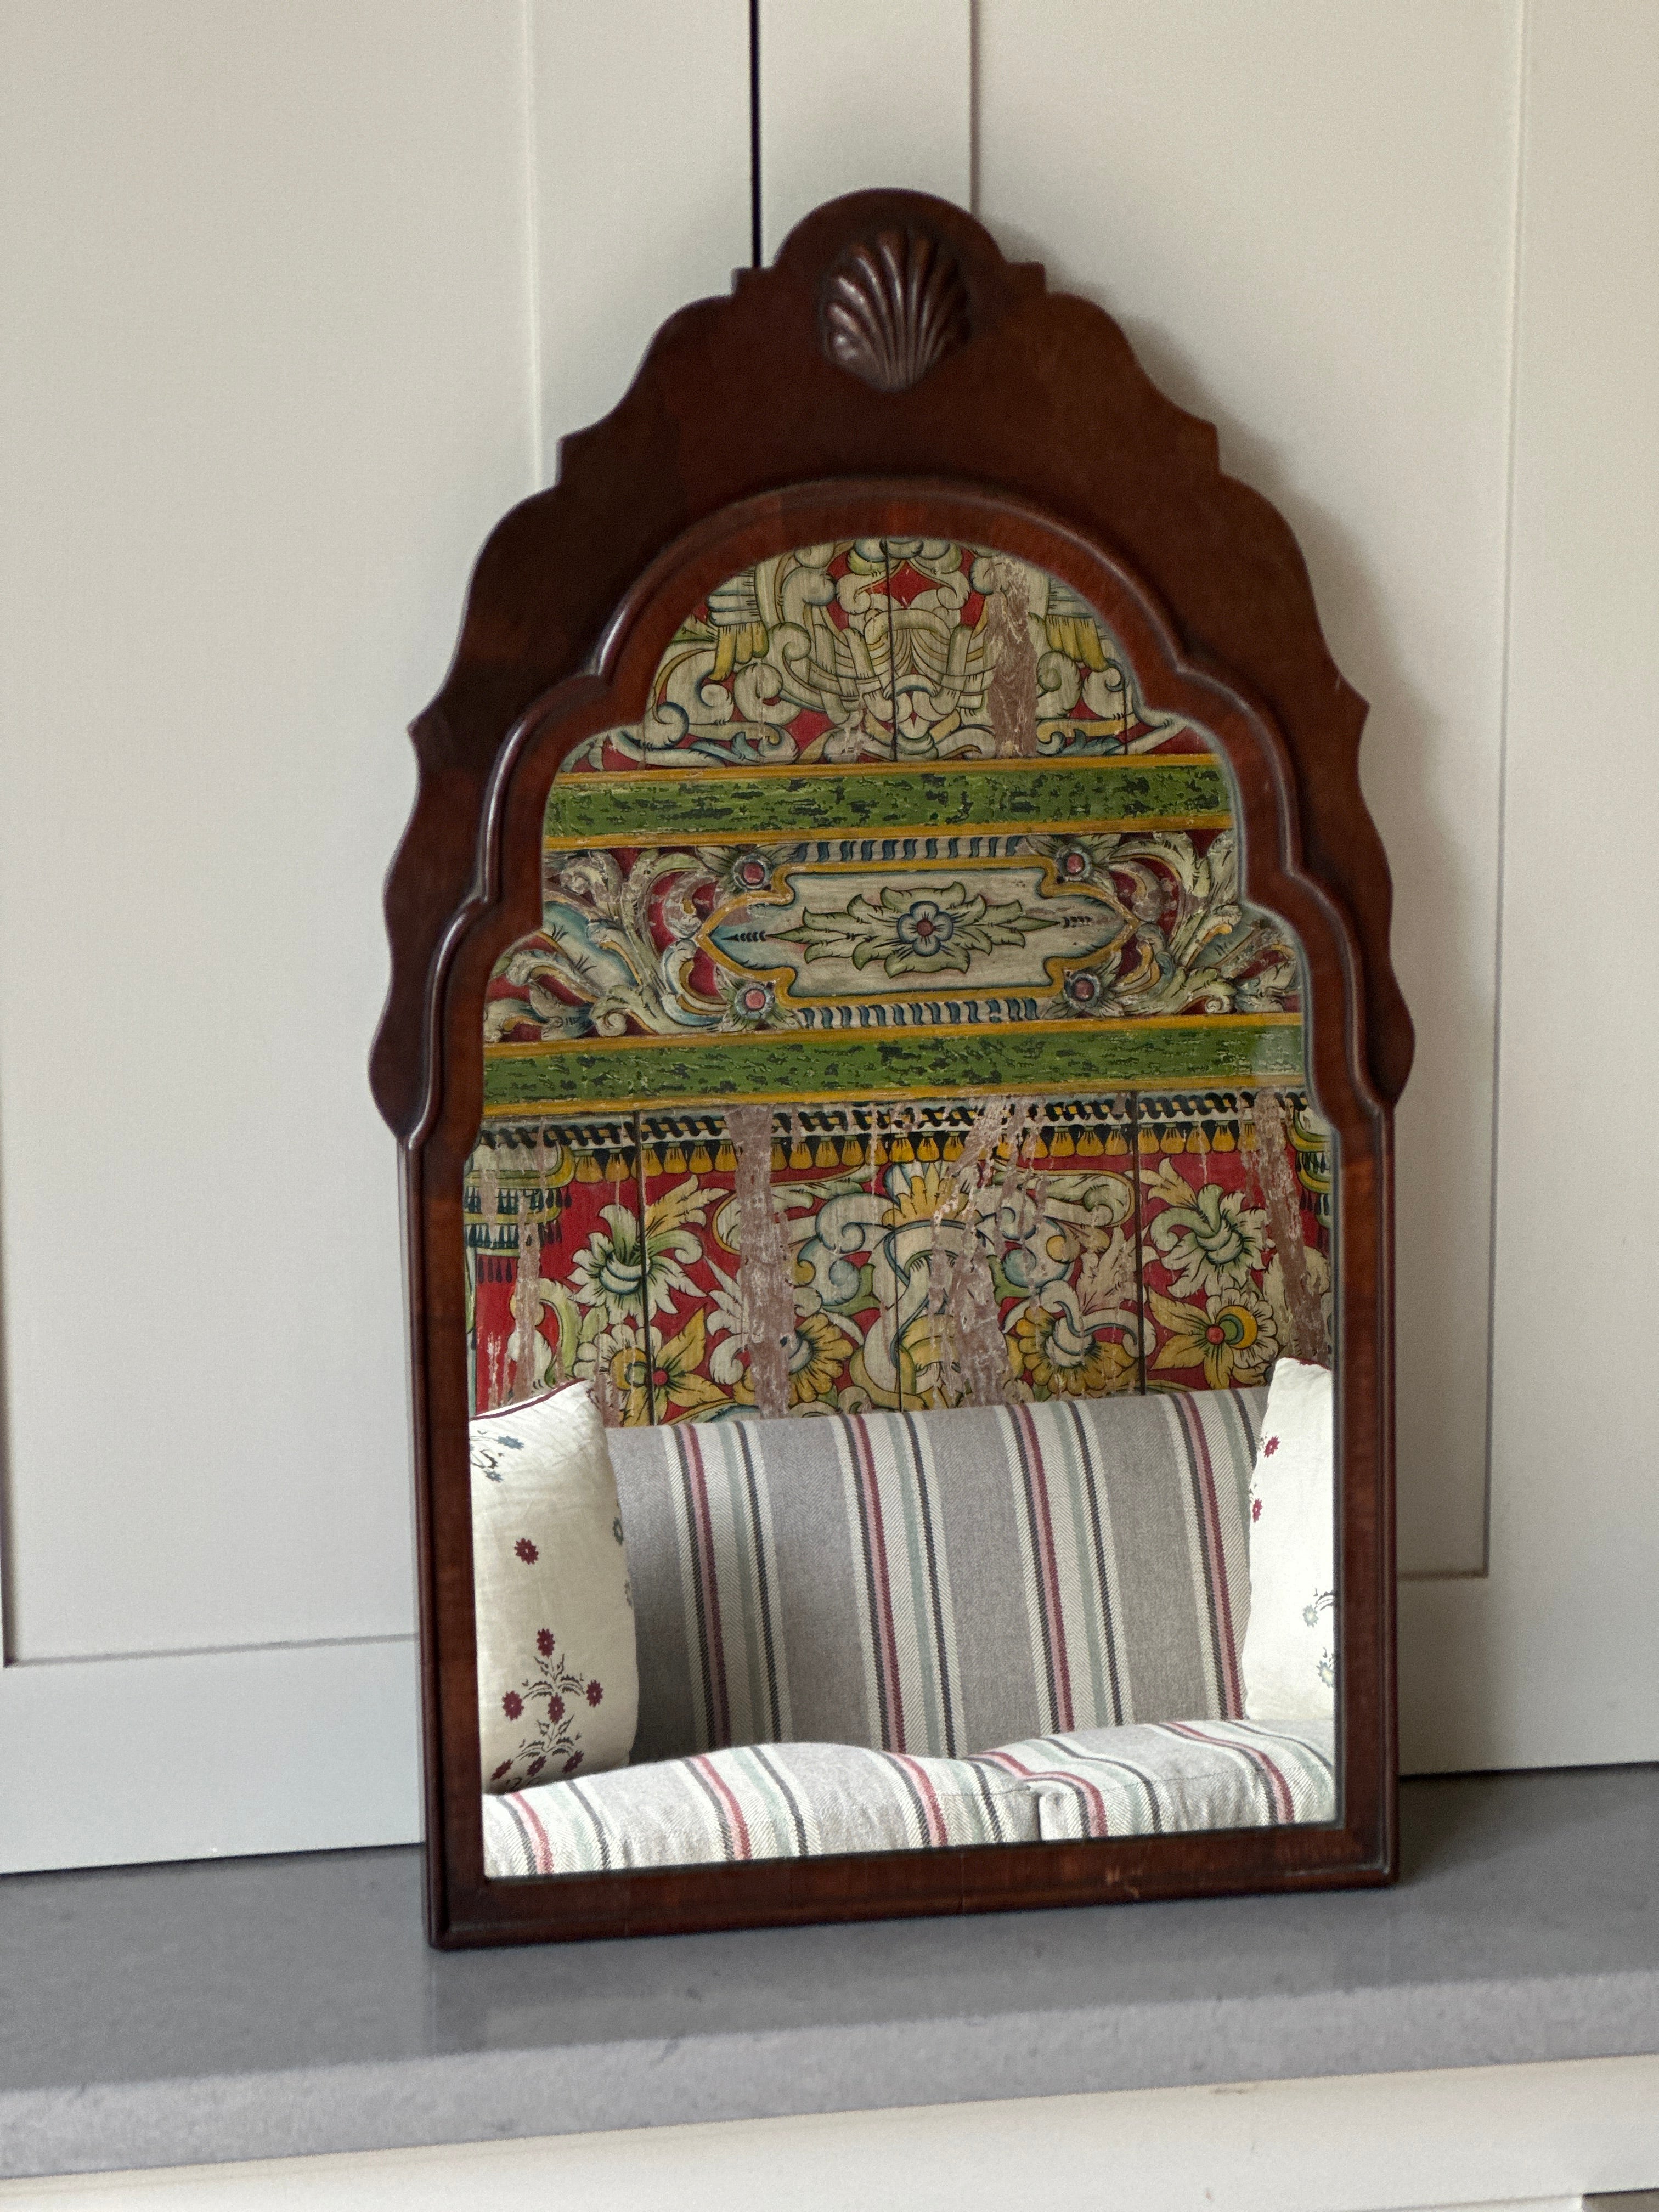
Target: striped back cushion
x=938, y=1582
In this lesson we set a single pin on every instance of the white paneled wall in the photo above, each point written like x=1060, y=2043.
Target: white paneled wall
x=639, y=131
x=300, y=299
x=267, y=383
x=862, y=93
x=1555, y=1655
x=1260, y=194
x=266, y=389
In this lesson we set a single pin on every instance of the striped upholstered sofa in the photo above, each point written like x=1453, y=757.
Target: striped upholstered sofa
x=903, y=1631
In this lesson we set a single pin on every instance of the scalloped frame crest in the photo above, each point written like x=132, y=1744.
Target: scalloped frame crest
x=894, y=306
x=983, y=406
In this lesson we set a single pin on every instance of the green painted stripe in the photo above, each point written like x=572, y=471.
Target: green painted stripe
x=1106, y=1055
x=659, y=807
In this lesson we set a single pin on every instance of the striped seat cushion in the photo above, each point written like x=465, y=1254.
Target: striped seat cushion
x=1174, y=1777
x=800, y=1800
x=781, y=1801
x=941, y=1583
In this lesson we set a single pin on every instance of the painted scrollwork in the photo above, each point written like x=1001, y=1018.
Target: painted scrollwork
x=668, y=940
x=888, y=649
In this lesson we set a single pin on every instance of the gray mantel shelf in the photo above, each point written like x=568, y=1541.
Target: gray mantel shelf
x=264, y=2007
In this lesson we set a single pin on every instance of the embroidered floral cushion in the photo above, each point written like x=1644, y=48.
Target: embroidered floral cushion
x=1290, y=1647
x=936, y=1584
x=558, y=1680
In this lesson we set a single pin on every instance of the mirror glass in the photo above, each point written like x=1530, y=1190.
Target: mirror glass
x=899, y=1130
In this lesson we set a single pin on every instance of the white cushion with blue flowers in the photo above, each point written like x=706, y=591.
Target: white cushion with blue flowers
x=558, y=1677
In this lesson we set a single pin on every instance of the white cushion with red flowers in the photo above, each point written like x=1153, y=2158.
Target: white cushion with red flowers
x=1289, y=1659
x=558, y=1678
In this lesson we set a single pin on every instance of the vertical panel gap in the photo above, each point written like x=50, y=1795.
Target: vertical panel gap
x=974, y=32
x=1511, y=399
x=756, y=241
x=534, y=251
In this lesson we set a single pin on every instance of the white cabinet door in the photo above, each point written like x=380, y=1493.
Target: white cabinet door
x=1552, y=1656
x=1260, y=194
x=1407, y=257
x=298, y=299
x=266, y=385
x=860, y=95
x=641, y=194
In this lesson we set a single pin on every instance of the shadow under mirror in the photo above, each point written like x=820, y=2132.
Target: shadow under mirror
x=899, y=1258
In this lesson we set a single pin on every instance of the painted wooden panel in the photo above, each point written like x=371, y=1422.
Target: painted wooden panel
x=268, y=275
x=279, y=276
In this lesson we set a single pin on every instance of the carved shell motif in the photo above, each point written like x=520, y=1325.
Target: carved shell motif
x=893, y=307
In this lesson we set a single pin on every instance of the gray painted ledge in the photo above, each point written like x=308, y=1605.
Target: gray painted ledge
x=272, y=2008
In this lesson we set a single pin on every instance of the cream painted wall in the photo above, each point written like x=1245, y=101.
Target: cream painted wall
x=301, y=299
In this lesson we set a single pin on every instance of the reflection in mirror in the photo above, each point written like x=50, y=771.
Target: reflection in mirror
x=898, y=1258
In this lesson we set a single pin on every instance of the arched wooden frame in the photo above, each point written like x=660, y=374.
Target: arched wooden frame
x=1032, y=430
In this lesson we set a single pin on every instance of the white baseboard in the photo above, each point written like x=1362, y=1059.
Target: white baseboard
x=1475, y=2139
x=284, y=1747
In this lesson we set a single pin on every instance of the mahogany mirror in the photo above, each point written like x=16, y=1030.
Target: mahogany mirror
x=893, y=1045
